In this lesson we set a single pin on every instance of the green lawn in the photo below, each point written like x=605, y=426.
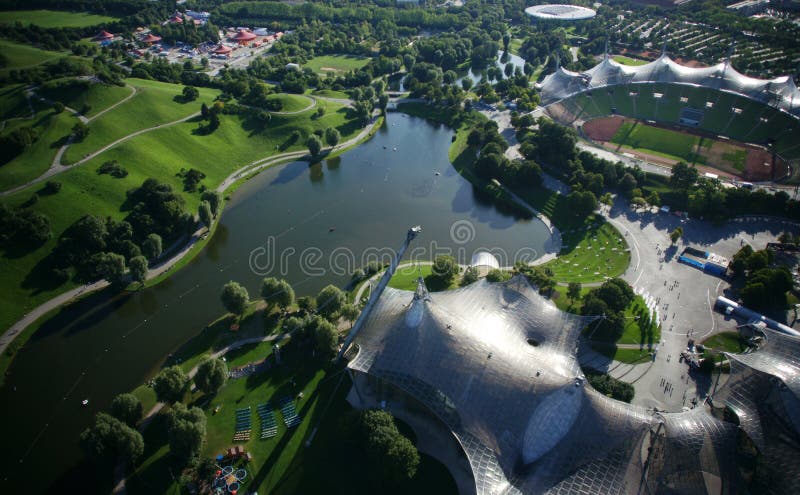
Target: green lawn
x=21, y=56
x=639, y=329
x=336, y=63
x=628, y=60
x=726, y=341
x=160, y=154
x=153, y=104
x=89, y=100
x=53, y=19
x=13, y=103
x=590, y=253
x=515, y=45
x=279, y=461
x=405, y=278
x=658, y=141
x=563, y=303
x=629, y=356
x=291, y=103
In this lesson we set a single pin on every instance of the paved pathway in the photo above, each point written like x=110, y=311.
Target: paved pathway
x=8, y=336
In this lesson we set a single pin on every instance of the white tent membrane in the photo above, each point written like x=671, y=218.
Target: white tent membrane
x=496, y=363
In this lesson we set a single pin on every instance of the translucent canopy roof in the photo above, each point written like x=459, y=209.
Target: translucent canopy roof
x=780, y=92
x=496, y=363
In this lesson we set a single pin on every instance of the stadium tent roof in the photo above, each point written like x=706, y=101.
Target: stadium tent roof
x=496, y=363
x=560, y=12
x=779, y=92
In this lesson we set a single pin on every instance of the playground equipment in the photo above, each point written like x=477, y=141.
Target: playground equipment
x=229, y=480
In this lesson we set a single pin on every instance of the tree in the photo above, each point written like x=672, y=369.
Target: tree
x=235, y=298
x=332, y=136
x=205, y=113
x=170, y=384
x=204, y=212
x=329, y=301
x=496, y=275
x=127, y=408
x=214, y=200
x=388, y=451
x=676, y=234
x=582, y=203
x=350, y=312
x=138, y=268
x=278, y=292
x=190, y=93
x=151, y=247
x=109, y=439
x=445, y=268
x=80, y=131
x=470, y=276
x=574, y=291
x=211, y=375
x=52, y=187
x=314, y=145
x=683, y=176
x=325, y=337
x=186, y=429
x=110, y=266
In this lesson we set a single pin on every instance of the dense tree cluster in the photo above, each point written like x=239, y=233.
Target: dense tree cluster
x=765, y=285
x=608, y=300
x=610, y=386
x=391, y=456
x=170, y=384
x=17, y=142
x=211, y=375
x=109, y=440
x=22, y=229
x=541, y=277
x=186, y=430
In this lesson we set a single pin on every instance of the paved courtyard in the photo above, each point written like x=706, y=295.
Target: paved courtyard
x=684, y=296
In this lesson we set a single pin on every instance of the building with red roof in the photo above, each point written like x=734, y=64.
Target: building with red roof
x=222, y=50
x=151, y=38
x=243, y=37
x=104, y=36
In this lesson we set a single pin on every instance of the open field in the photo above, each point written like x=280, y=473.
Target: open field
x=405, y=278
x=160, y=154
x=629, y=356
x=651, y=139
x=639, y=329
x=53, y=19
x=336, y=63
x=21, y=56
x=628, y=60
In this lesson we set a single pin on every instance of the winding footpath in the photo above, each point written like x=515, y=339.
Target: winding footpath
x=8, y=336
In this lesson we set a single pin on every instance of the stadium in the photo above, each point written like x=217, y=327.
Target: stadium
x=559, y=12
x=494, y=365
x=666, y=112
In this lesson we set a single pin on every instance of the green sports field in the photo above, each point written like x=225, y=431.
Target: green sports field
x=53, y=19
x=336, y=63
x=655, y=140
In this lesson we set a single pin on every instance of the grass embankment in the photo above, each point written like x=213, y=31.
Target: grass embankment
x=89, y=101
x=726, y=341
x=678, y=146
x=22, y=56
x=280, y=464
x=335, y=63
x=159, y=154
x=628, y=60
x=589, y=253
x=328, y=93
x=154, y=104
x=53, y=18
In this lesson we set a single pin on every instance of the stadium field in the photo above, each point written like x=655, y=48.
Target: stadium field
x=658, y=141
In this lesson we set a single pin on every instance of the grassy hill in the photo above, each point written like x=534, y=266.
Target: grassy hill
x=87, y=98
x=162, y=153
x=20, y=56
x=53, y=19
